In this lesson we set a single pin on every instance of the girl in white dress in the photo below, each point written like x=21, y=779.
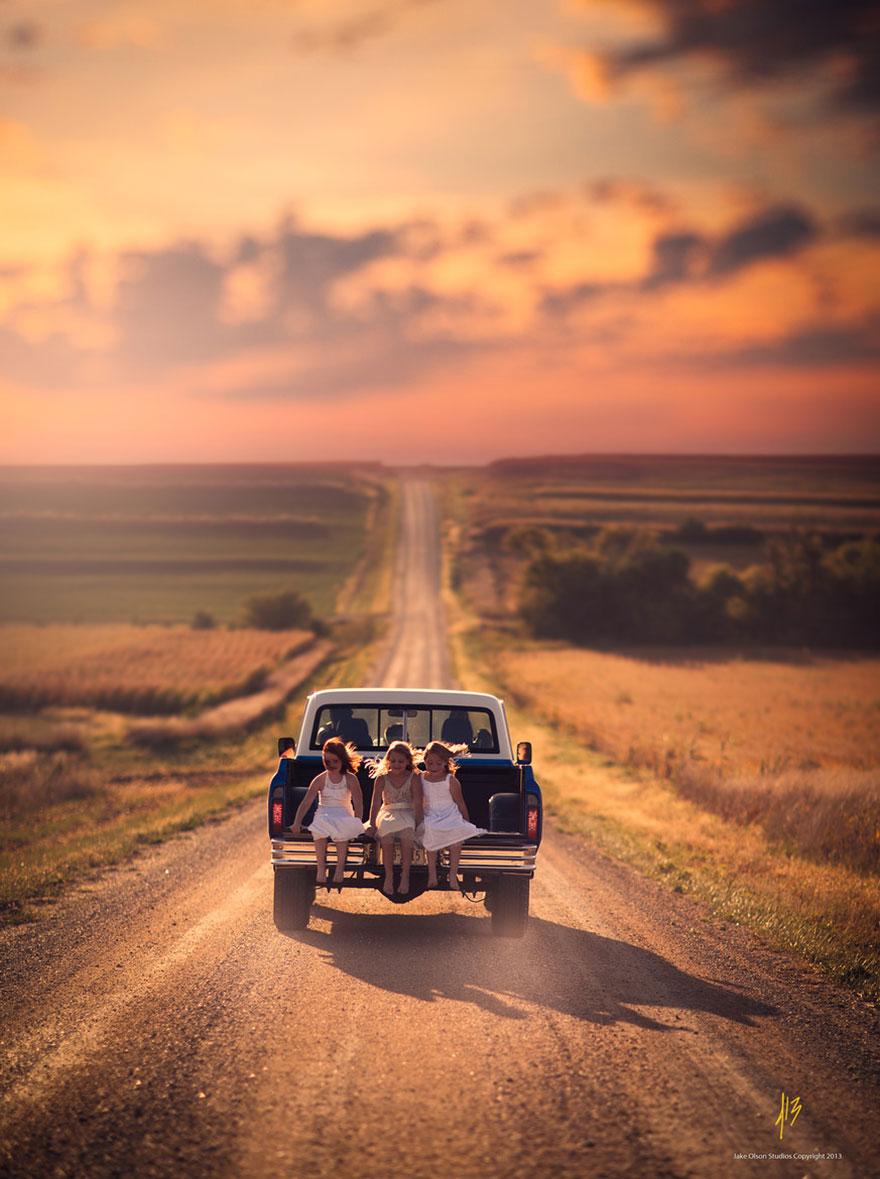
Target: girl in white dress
x=340, y=802
x=447, y=823
x=396, y=809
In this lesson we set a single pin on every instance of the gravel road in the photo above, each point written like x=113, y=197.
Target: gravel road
x=156, y=1024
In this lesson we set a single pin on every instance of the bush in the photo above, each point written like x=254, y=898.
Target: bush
x=203, y=620
x=284, y=611
x=629, y=588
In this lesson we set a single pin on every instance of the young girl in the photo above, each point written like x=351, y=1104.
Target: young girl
x=446, y=818
x=336, y=818
x=396, y=809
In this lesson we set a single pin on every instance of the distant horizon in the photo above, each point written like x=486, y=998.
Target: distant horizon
x=547, y=456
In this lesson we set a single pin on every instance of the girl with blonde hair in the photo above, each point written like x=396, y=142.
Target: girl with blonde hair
x=396, y=810
x=447, y=823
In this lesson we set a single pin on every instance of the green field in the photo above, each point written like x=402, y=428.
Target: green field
x=157, y=544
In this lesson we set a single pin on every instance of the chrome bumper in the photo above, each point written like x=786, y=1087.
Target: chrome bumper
x=501, y=854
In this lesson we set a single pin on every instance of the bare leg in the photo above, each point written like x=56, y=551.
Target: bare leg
x=341, y=853
x=406, y=854
x=432, y=869
x=321, y=858
x=454, y=854
x=388, y=864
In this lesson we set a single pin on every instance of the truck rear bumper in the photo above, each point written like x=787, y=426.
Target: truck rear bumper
x=485, y=855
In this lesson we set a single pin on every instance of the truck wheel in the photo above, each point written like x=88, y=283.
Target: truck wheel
x=508, y=903
x=505, y=811
x=294, y=893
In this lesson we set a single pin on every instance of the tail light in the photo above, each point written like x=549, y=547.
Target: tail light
x=277, y=815
x=532, y=821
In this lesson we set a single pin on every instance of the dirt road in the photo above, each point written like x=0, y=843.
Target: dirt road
x=156, y=1024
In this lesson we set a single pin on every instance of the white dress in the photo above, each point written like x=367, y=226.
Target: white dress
x=444, y=823
x=396, y=814
x=335, y=819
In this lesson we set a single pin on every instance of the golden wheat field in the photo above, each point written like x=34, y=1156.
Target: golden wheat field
x=788, y=744
x=135, y=669
x=758, y=716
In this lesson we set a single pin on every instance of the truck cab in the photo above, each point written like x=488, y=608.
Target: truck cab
x=498, y=785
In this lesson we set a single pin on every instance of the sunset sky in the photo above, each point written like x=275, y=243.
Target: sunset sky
x=440, y=230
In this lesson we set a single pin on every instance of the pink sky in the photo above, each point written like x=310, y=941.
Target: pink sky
x=431, y=230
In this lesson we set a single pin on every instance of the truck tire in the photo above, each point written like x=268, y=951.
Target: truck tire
x=508, y=902
x=504, y=813
x=294, y=894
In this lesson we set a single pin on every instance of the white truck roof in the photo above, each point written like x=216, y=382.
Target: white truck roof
x=415, y=697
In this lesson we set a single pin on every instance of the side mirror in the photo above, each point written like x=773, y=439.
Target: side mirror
x=286, y=747
x=524, y=753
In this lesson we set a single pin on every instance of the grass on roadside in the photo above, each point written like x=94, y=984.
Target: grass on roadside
x=827, y=913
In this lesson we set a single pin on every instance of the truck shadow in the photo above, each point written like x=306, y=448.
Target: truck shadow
x=573, y=971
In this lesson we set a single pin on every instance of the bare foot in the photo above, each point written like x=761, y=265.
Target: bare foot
x=404, y=886
x=432, y=882
x=454, y=882
x=388, y=888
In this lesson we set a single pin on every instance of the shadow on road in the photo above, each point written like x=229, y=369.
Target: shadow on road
x=573, y=971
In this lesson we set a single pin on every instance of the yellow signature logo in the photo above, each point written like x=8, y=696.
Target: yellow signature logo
x=789, y=1111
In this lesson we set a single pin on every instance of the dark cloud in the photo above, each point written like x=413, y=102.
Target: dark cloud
x=167, y=309
x=860, y=223
x=814, y=346
x=686, y=256
x=772, y=233
x=676, y=256
x=168, y=314
x=347, y=36
x=519, y=259
x=630, y=191
x=26, y=34
x=764, y=41
x=561, y=302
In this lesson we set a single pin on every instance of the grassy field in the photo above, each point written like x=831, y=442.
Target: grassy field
x=748, y=776
x=80, y=701
x=142, y=544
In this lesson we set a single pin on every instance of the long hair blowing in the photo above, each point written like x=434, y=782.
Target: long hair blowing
x=345, y=751
x=449, y=753
x=376, y=768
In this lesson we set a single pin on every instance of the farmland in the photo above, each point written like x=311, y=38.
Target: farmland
x=159, y=544
x=747, y=773
x=133, y=700
x=135, y=669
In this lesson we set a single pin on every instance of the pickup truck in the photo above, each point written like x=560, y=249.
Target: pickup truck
x=499, y=789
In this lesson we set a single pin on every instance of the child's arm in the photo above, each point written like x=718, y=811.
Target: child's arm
x=357, y=796
x=418, y=799
x=458, y=798
x=306, y=802
x=377, y=799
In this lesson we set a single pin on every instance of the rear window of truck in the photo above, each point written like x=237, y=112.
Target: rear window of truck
x=375, y=726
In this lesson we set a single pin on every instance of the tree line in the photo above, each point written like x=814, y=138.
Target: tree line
x=627, y=586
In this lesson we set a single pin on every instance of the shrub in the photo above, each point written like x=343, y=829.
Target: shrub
x=284, y=611
x=203, y=620
x=629, y=588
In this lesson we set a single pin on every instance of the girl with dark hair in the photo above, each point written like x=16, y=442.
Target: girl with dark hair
x=447, y=823
x=340, y=803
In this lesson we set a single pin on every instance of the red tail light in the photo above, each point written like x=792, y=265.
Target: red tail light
x=532, y=822
x=277, y=815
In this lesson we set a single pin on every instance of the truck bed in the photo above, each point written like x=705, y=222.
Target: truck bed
x=479, y=782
